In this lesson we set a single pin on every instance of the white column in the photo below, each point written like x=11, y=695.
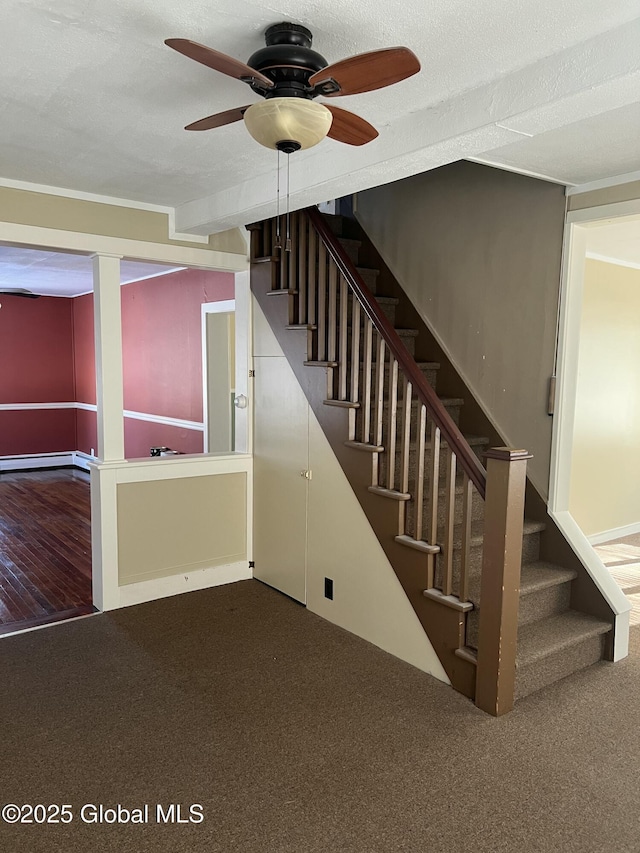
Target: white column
x=108, y=343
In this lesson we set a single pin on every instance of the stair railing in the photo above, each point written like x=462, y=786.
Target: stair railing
x=411, y=446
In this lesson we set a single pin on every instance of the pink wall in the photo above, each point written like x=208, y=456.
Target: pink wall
x=35, y=350
x=84, y=369
x=162, y=355
x=37, y=367
x=84, y=363
x=139, y=436
x=47, y=353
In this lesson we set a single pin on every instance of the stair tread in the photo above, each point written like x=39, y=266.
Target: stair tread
x=368, y=269
x=534, y=577
x=542, y=575
x=477, y=531
x=407, y=333
x=537, y=640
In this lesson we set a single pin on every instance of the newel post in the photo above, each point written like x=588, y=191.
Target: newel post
x=500, y=587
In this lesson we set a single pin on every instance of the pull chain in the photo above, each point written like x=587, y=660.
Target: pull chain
x=278, y=243
x=287, y=245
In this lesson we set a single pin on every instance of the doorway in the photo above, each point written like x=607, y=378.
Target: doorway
x=595, y=448
x=219, y=375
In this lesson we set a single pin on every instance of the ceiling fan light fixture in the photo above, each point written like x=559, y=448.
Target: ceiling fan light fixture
x=288, y=120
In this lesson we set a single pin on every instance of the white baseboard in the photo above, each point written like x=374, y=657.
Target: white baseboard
x=615, y=533
x=46, y=460
x=138, y=593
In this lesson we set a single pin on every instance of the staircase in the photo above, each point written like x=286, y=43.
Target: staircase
x=499, y=617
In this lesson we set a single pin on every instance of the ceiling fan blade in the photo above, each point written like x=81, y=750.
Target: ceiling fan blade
x=219, y=119
x=350, y=128
x=219, y=61
x=366, y=72
x=18, y=291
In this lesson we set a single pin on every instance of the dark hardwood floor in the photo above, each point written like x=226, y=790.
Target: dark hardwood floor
x=45, y=547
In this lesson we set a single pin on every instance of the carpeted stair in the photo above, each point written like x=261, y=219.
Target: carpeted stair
x=553, y=639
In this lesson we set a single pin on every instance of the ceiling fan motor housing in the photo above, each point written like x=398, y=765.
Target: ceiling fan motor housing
x=287, y=60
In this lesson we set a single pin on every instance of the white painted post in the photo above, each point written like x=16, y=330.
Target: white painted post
x=108, y=343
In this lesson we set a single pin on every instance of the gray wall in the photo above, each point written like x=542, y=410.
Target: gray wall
x=478, y=252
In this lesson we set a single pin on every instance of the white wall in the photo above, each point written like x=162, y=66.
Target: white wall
x=605, y=466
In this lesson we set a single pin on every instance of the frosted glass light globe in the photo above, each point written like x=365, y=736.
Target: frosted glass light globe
x=288, y=119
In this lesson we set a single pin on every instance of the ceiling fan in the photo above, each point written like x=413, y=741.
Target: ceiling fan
x=18, y=291
x=288, y=74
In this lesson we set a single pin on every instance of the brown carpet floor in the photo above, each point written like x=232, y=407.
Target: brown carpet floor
x=296, y=736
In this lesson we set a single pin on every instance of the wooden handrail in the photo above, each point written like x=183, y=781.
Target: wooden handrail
x=457, y=442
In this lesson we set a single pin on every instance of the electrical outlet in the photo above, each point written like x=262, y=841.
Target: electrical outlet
x=328, y=588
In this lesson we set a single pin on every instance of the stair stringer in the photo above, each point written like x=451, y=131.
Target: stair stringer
x=443, y=626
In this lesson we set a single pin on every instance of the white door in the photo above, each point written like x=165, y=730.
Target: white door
x=281, y=461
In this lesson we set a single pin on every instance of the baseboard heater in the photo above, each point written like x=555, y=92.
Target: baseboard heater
x=68, y=459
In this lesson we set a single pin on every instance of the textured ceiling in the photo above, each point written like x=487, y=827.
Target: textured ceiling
x=93, y=101
x=597, y=147
x=61, y=274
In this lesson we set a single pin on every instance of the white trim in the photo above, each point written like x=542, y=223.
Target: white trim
x=122, y=283
x=24, y=407
x=617, y=261
x=604, y=212
x=484, y=161
x=224, y=306
x=74, y=241
x=574, y=255
x=92, y=407
x=182, y=235
x=603, y=183
x=137, y=593
x=20, y=630
x=161, y=419
x=614, y=533
x=609, y=589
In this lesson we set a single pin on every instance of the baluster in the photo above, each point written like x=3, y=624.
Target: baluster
x=293, y=252
x=283, y=257
x=393, y=423
x=343, y=332
x=322, y=302
x=378, y=402
x=355, y=348
x=367, y=370
x=405, y=444
x=332, y=318
x=422, y=430
x=302, y=268
x=467, y=506
x=434, y=443
x=449, y=522
x=312, y=271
